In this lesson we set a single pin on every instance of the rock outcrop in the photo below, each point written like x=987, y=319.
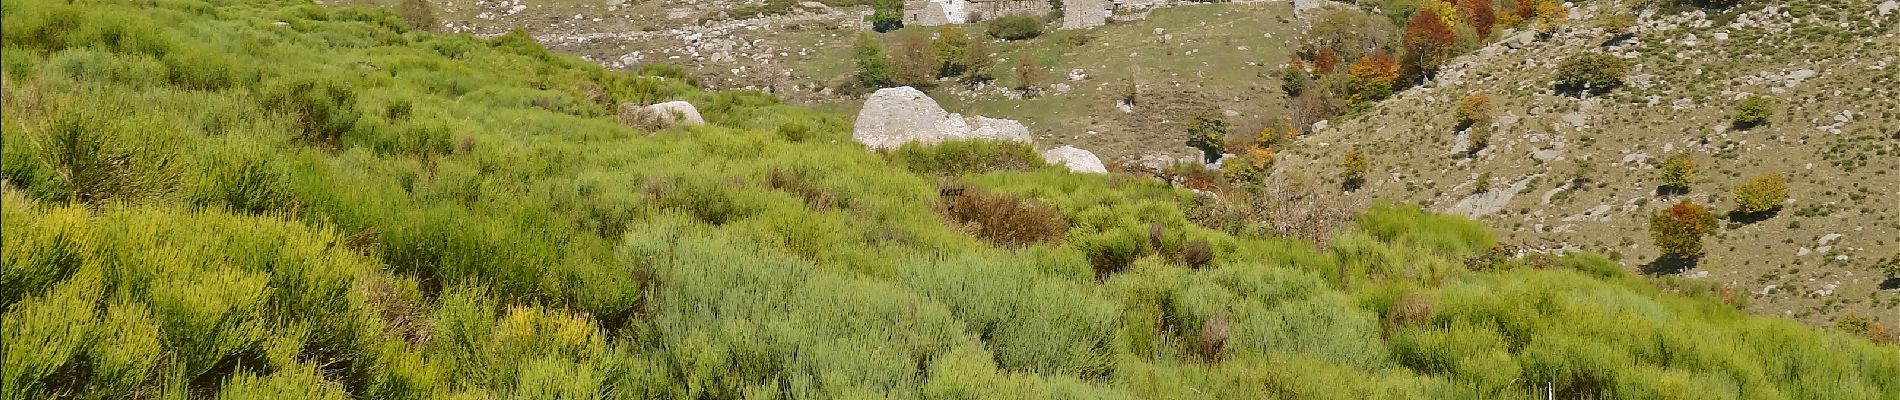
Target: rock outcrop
x=895, y=116
x=1076, y=160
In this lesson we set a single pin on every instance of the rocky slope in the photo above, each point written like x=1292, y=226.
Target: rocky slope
x=1581, y=173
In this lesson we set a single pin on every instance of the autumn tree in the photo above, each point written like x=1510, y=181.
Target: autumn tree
x=1473, y=109
x=1372, y=78
x=1678, y=231
x=1353, y=169
x=1762, y=194
x=1325, y=61
x=1480, y=15
x=1428, y=42
x=916, y=63
x=1678, y=171
x=1550, y=15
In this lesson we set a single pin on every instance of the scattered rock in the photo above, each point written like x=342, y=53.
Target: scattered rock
x=1887, y=7
x=1076, y=160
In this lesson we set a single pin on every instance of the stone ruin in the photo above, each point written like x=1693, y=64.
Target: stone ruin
x=950, y=12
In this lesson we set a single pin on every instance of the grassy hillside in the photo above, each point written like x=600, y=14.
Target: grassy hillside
x=283, y=200
x=1584, y=172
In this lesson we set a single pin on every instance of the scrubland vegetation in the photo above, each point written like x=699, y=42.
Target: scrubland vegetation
x=283, y=200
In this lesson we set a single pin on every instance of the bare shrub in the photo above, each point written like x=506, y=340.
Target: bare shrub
x=1003, y=219
x=801, y=185
x=1213, y=338
x=1295, y=206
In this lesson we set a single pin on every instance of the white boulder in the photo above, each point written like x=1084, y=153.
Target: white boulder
x=677, y=112
x=895, y=116
x=1076, y=160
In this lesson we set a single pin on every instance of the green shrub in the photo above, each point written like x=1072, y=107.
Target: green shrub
x=1014, y=27
x=1208, y=133
x=959, y=157
x=1761, y=194
x=1591, y=72
x=1678, y=171
x=1751, y=112
x=94, y=160
x=322, y=109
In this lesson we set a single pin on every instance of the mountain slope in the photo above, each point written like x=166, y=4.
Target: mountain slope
x=1584, y=172
x=282, y=200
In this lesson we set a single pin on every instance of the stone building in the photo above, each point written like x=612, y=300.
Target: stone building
x=943, y=12
x=1084, y=14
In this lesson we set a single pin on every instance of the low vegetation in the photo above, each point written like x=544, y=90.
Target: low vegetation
x=486, y=227
x=1014, y=27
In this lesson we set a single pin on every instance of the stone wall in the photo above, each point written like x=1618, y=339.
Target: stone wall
x=1084, y=14
x=990, y=9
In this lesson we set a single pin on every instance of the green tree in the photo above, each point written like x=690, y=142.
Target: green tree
x=953, y=51
x=1762, y=194
x=1208, y=133
x=1751, y=112
x=1678, y=171
x=1591, y=72
x=874, y=68
x=1678, y=231
x=976, y=62
x=886, y=15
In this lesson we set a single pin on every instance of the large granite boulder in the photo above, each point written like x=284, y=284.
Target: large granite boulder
x=895, y=116
x=1076, y=160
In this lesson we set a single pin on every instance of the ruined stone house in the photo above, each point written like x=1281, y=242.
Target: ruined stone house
x=944, y=12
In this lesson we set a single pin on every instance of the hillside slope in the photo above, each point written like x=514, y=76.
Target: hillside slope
x=283, y=200
x=1582, y=172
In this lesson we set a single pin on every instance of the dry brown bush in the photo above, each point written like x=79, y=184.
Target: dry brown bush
x=1001, y=218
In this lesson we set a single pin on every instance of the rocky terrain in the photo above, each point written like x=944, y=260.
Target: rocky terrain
x=1567, y=172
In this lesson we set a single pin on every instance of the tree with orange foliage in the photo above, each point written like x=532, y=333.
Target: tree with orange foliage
x=1371, y=78
x=1427, y=41
x=1550, y=15
x=1678, y=231
x=1325, y=61
x=1480, y=15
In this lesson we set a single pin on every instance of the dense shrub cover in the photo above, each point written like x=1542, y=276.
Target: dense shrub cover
x=486, y=229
